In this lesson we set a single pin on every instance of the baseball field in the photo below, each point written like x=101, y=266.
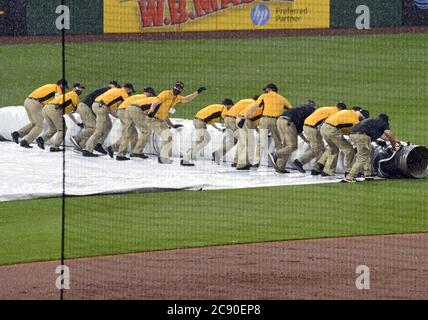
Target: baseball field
x=382, y=73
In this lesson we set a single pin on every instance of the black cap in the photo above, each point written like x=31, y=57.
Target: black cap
x=179, y=85
x=384, y=117
x=365, y=114
x=62, y=82
x=356, y=108
x=129, y=86
x=150, y=90
x=78, y=86
x=256, y=97
x=271, y=86
x=227, y=102
x=341, y=105
x=114, y=83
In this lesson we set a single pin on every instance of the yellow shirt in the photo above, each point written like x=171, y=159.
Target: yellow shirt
x=46, y=93
x=113, y=97
x=238, y=107
x=125, y=104
x=167, y=101
x=319, y=115
x=212, y=113
x=144, y=103
x=344, y=120
x=273, y=104
x=68, y=101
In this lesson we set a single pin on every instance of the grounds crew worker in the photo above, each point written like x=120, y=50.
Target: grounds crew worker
x=362, y=134
x=208, y=115
x=133, y=115
x=290, y=125
x=311, y=129
x=104, y=105
x=33, y=106
x=159, y=111
x=273, y=106
x=54, y=112
x=88, y=116
x=231, y=138
x=246, y=139
x=332, y=131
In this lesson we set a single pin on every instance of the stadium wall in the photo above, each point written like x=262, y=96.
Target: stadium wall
x=37, y=17
x=382, y=13
x=12, y=17
x=86, y=17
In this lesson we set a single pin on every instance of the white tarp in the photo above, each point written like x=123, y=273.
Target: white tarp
x=34, y=173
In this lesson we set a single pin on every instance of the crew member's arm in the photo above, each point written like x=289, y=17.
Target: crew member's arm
x=154, y=107
x=193, y=95
x=251, y=109
x=387, y=135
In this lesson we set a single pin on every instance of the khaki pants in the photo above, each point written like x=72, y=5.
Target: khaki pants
x=336, y=142
x=129, y=133
x=247, y=143
x=161, y=128
x=362, y=158
x=54, y=118
x=268, y=125
x=316, y=146
x=103, y=126
x=231, y=138
x=202, y=139
x=89, y=121
x=143, y=123
x=34, y=112
x=288, y=133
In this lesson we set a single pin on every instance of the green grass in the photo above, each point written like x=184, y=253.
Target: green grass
x=99, y=225
x=385, y=73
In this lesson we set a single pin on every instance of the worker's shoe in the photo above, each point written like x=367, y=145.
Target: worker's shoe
x=110, y=152
x=40, y=143
x=138, y=155
x=25, y=144
x=246, y=167
x=122, y=158
x=187, y=163
x=99, y=148
x=349, y=180
x=323, y=174
x=87, y=153
x=15, y=136
x=53, y=149
x=299, y=166
x=315, y=172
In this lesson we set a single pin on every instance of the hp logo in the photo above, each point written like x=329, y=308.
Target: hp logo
x=260, y=14
x=422, y=4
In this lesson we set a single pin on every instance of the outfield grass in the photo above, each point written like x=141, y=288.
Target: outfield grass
x=383, y=73
x=99, y=225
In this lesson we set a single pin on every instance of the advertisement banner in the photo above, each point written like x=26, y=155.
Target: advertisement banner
x=382, y=13
x=85, y=17
x=415, y=12
x=131, y=16
x=12, y=17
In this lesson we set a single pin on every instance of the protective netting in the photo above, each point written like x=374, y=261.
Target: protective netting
x=131, y=225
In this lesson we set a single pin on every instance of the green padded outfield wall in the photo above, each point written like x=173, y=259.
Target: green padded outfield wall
x=86, y=16
x=382, y=13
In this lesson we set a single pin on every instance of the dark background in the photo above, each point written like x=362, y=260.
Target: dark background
x=13, y=21
x=412, y=15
